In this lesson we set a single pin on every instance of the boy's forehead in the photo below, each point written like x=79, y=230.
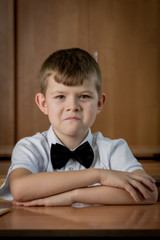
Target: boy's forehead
x=54, y=85
x=86, y=81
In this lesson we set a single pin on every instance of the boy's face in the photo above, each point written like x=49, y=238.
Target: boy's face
x=71, y=109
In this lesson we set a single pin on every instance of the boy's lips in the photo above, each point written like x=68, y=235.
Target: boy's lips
x=72, y=118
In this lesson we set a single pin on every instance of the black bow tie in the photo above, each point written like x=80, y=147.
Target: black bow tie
x=60, y=155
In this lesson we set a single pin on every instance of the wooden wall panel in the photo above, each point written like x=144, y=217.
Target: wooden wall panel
x=7, y=105
x=43, y=27
x=126, y=34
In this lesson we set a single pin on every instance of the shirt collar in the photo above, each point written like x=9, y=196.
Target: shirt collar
x=52, y=138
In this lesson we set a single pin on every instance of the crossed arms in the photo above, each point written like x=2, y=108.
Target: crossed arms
x=66, y=188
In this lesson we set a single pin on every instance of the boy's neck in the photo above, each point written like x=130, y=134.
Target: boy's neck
x=71, y=142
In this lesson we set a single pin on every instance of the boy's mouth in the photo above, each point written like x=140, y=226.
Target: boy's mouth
x=72, y=118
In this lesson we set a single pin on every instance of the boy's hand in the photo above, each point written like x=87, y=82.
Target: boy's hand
x=129, y=181
x=62, y=199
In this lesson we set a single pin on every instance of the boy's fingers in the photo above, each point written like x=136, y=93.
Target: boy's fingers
x=141, y=188
x=17, y=203
x=147, y=181
x=26, y=204
x=132, y=192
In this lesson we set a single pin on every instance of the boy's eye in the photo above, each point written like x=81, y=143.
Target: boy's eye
x=84, y=96
x=60, y=97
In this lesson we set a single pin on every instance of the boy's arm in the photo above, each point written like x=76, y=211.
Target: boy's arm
x=112, y=195
x=93, y=195
x=26, y=186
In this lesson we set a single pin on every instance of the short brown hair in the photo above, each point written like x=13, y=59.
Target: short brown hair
x=71, y=67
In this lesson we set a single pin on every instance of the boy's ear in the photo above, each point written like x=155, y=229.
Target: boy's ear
x=41, y=103
x=101, y=102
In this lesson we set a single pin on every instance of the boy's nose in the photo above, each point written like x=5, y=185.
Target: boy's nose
x=73, y=105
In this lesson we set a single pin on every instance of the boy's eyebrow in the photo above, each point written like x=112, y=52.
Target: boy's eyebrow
x=79, y=92
x=87, y=91
x=57, y=92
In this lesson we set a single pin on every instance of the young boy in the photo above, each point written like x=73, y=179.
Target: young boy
x=45, y=169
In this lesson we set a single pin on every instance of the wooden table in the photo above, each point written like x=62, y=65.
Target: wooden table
x=93, y=221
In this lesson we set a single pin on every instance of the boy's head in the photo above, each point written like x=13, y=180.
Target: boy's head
x=70, y=67
x=70, y=94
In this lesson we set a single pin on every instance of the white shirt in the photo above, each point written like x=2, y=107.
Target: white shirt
x=33, y=153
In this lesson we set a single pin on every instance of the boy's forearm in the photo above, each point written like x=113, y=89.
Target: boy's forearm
x=26, y=186
x=109, y=195
x=89, y=195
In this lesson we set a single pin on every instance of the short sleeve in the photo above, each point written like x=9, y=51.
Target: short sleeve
x=121, y=157
x=31, y=153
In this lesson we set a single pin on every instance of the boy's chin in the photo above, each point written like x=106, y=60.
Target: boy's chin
x=76, y=133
